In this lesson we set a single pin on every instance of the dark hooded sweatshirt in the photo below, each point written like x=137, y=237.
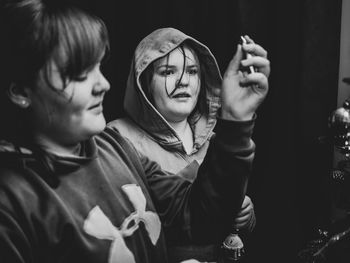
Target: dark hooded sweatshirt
x=111, y=203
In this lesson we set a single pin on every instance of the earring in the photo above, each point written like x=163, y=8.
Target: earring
x=24, y=103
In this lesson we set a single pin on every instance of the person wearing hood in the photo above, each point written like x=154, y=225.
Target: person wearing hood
x=74, y=190
x=172, y=101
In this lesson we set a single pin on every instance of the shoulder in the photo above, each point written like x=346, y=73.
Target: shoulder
x=21, y=190
x=143, y=143
x=120, y=123
x=113, y=145
x=130, y=130
x=126, y=127
x=11, y=178
x=112, y=138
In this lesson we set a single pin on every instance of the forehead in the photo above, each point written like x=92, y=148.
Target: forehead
x=177, y=56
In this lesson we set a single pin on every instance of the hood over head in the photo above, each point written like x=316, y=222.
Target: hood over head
x=138, y=106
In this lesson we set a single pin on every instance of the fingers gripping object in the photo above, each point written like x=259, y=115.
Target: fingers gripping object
x=249, y=69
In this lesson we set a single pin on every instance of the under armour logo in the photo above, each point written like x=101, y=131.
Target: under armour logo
x=97, y=224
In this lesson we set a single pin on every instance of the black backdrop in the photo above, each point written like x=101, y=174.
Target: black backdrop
x=289, y=184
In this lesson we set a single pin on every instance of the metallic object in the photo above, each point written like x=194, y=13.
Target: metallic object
x=339, y=123
x=232, y=249
x=339, y=128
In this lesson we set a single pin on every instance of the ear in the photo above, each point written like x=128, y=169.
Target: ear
x=19, y=95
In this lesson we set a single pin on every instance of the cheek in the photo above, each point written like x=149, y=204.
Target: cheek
x=76, y=97
x=66, y=111
x=76, y=103
x=159, y=99
x=196, y=84
x=45, y=107
x=157, y=90
x=163, y=86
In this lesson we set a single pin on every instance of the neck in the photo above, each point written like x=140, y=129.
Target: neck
x=179, y=126
x=184, y=131
x=57, y=148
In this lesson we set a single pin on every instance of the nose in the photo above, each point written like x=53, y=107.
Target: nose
x=102, y=85
x=184, y=80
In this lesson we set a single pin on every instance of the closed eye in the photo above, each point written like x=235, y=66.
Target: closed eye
x=84, y=75
x=80, y=78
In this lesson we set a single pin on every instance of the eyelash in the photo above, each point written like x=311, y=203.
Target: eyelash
x=166, y=72
x=80, y=78
x=193, y=71
x=169, y=72
x=84, y=76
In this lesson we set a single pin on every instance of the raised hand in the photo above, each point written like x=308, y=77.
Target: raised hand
x=242, y=93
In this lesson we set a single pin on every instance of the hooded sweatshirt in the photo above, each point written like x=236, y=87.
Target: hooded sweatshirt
x=145, y=127
x=111, y=204
x=153, y=136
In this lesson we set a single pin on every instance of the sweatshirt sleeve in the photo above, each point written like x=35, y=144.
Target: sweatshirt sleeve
x=203, y=211
x=14, y=246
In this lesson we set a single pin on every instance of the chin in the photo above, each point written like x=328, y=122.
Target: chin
x=97, y=126
x=178, y=116
x=183, y=114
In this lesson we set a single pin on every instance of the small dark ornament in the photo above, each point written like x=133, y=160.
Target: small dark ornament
x=232, y=249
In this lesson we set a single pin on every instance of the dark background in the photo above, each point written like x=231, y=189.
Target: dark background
x=289, y=185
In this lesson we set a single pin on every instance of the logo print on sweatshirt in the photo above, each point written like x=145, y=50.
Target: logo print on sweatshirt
x=98, y=225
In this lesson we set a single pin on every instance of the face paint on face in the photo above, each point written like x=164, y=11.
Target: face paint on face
x=175, y=84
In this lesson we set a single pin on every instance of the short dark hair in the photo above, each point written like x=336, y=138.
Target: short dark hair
x=35, y=33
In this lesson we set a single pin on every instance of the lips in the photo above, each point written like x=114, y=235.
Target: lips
x=97, y=105
x=181, y=95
